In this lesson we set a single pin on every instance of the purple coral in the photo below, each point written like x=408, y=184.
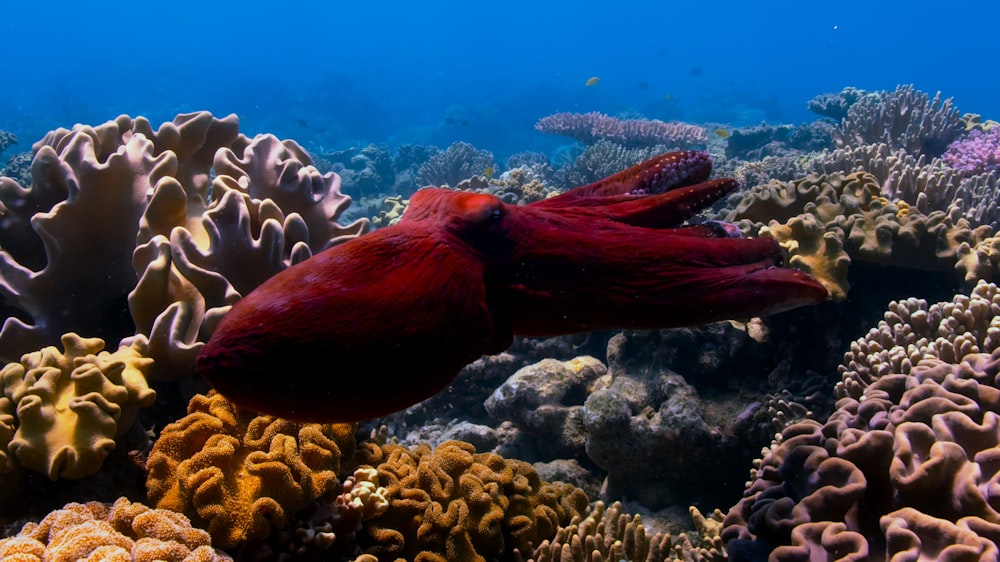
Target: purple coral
x=977, y=153
x=589, y=128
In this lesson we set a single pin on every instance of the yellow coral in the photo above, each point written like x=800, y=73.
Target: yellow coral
x=236, y=474
x=71, y=405
x=125, y=531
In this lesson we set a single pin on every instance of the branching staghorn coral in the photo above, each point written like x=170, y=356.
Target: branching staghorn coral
x=904, y=118
x=458, y=162
x=592, y=127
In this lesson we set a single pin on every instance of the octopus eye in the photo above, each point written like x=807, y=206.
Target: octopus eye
x=495, y=215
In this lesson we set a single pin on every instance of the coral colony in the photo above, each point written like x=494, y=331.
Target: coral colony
x=878, y=422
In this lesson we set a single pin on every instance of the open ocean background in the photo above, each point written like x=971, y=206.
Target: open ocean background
x=338, y=74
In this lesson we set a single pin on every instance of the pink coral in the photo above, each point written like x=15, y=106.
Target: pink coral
x=906, y=467
x=977, y=153
x=591, y=127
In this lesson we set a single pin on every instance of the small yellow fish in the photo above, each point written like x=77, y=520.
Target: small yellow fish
x=489, y=172
x=722, y=133
x=666, y=97
x=592, y=81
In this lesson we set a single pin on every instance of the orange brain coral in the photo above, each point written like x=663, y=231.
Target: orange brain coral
x=455, y=504
x=235, y=473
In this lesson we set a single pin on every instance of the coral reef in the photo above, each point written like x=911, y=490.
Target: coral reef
x=458, y=162
x=601, y=159
x=61, y=411
x=592, y=127
x=238, y=475
x=835, y=105
x=906, y=465
x=452, y=503
x=121, y=532
x=904, y=118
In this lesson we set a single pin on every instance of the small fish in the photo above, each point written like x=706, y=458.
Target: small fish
x=722, y=133
x=302, y=123
x=696, y=71
x=489, y=172
x=643, y=85
x=666, y=97
x=449, y=120
x=592, y=81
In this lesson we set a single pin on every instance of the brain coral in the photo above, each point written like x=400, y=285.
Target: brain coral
x=907, y=466
x=452, y=503
x=68, y=407
x=123, y=532
x=122, y=213
x=237, y=474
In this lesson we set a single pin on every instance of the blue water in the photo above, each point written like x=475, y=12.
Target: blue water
x=337, y=74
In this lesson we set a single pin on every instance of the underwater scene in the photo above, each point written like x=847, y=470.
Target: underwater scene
x=551, y=282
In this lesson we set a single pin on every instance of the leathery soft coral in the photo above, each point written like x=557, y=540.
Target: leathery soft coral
x=452, y=503
x=69, y=406
x=237, y=474
x=123, y=213
x=907, y=466
x=826, y=222
x=122, y=532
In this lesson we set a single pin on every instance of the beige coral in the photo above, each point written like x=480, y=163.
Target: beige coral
x=608, y=534
x=121, y=211
x=825, y=223
x=71, y=405
x=237, y=474
x=124, y=531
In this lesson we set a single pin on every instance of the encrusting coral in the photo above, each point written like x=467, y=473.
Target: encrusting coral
x=69, y=406
x=907, y=464
x=122, y=532
x=237, y=474
x=452, y=503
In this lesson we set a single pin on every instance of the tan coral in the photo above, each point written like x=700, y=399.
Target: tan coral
x=452, y=503
x=238, y=474
x=124, y=531
x=71, y=405
x=390, y=216
x=607, y=534
x=826, y=223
